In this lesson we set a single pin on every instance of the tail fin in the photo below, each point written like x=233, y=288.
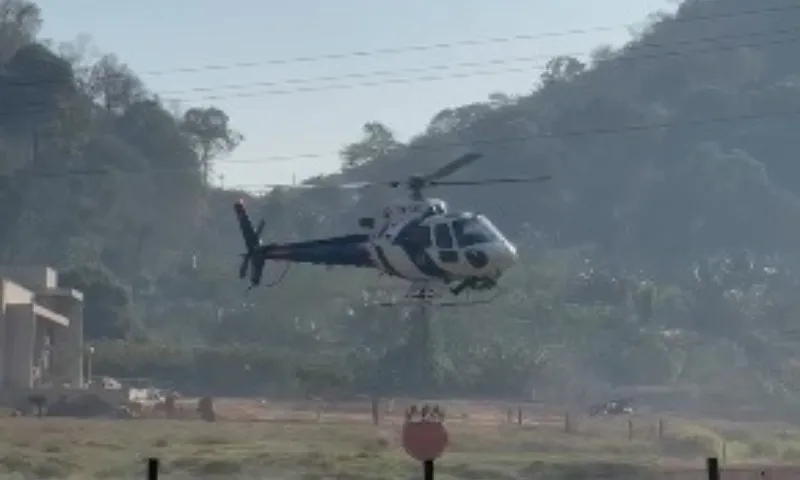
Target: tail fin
x=249, y=234
x=252, y=240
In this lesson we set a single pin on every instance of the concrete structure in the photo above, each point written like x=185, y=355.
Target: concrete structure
x=41, y=331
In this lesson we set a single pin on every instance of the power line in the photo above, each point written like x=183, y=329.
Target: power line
x=11, y=81
x=318, y=155
x=431, y=78
x=450, y=66
x=455, y=44
x=475, y=143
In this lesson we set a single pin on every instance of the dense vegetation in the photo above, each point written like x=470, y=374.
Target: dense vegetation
x=664, y=253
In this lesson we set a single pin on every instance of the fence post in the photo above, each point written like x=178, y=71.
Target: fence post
x=375, y=404
x=724, y=452
x=660, y=428
x=712, y=466
x=152, y=468
x=630, y=429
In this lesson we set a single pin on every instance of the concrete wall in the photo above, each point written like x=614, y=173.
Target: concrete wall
x=15, y=293
x=14, y=299
x=32, y=278
x=21, y=332
x=33, y=311
x=68, y=345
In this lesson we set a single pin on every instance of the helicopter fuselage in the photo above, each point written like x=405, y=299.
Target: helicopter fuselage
x=418, y=242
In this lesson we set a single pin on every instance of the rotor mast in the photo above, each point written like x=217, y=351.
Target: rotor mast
x=415, y=186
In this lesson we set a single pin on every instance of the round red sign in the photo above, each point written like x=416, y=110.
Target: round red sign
x=424, y=440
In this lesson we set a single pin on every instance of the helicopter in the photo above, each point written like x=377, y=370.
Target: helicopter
x=440, y=253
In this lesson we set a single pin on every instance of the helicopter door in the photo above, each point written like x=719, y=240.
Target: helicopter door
x=445, y=243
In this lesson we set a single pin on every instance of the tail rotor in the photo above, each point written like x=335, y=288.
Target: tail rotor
x=253, y=259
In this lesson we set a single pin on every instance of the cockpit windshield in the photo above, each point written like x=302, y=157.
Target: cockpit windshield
x=475, y=230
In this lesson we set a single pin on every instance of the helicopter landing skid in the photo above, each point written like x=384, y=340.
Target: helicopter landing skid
x=428, y=295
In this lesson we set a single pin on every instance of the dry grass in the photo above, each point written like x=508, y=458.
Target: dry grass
x=285, y=442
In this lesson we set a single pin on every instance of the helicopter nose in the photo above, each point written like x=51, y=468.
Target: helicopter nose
x=512, y=253
x=506, y=255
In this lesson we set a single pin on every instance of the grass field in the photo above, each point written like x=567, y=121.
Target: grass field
x=282, y=441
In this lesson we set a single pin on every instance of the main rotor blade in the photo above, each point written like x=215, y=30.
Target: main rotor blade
x=490, y=181
x=453, y=166
x=244, y=265
x=311, y=186
x=292, y=186
x=257, y=269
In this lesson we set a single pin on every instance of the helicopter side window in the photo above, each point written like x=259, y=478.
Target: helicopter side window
x=418, y=235
x=443, y=237
x=473, y=231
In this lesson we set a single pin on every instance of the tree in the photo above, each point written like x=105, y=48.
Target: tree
x=80, y=53
x=378, y=141
x=114, y=84
x=455, y=119
x=36, y=84
x=210, y=134
x=107, y=310
x=603, y=53
x=562, y=69
x=20, y=21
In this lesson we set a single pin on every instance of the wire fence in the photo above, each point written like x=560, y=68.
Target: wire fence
x=711, y=471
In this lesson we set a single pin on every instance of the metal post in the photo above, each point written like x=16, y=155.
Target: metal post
x=712, y=465
x=152, y=468
x=427, y=470
x=89, y=366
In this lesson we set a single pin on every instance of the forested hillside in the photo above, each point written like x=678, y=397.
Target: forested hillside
x=664, y=252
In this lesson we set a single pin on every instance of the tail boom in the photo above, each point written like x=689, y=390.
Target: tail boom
x=346, y=250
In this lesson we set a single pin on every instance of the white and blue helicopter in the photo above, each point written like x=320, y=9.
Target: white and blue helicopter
x=439, y=252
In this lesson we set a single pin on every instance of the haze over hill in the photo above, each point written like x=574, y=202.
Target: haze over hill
x=290, y=76
x=663, y=253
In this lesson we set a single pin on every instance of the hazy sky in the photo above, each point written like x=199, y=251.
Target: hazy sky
x=158, y=38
